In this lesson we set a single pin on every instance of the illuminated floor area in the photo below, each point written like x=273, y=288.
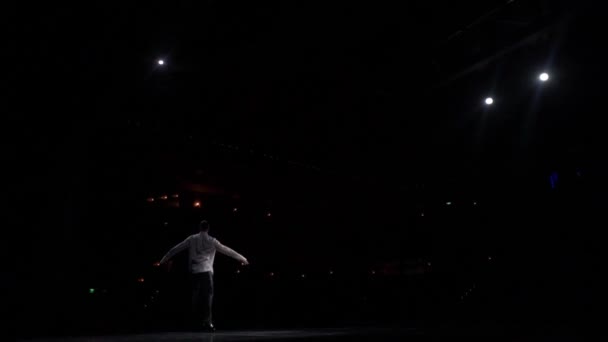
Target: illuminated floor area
x=256, y=335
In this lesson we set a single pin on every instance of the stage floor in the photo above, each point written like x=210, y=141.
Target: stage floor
x=253, y=335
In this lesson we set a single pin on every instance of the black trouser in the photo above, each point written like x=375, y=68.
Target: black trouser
x=202, y=296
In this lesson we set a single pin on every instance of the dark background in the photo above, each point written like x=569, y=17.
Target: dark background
x=346, y=122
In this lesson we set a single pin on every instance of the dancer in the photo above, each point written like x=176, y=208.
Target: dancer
x=201, y=249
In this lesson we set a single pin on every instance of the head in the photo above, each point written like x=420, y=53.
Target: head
x=204, y=226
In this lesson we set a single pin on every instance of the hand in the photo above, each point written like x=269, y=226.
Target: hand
x=165, y=265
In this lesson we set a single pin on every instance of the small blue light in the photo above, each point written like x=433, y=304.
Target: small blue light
x=553, y=180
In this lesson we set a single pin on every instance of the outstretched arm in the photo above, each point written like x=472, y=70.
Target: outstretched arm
x=230, y=252
x=176, y=249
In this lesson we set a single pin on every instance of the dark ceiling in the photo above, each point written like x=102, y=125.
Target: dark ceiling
x=383, y=92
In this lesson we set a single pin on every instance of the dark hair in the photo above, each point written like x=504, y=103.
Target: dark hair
x=204, y=225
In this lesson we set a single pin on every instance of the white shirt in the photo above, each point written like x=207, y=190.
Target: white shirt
x=201, y=251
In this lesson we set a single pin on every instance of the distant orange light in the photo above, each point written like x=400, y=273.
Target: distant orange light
x=235, y=210
x=140, y=280
x=156, y=264
x=150, y=199
x=163, y=197
x=197, y=204
x=175, y=196
x=269, y=214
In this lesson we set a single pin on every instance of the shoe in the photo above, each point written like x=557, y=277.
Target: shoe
x=206, y=327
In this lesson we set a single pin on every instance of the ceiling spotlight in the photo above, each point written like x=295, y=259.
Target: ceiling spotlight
x=489, y=101
x=161, y=62
x=544, y=77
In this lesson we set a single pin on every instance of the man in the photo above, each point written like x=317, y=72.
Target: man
x=201, y=250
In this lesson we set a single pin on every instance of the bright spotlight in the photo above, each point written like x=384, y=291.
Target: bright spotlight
x=161, y=62
x=489, y=101
x=544, y=77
